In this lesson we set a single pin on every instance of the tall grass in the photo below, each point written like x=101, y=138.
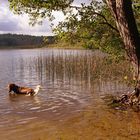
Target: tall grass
x=84, y=66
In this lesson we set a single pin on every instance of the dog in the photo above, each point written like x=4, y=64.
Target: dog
x=23, y=90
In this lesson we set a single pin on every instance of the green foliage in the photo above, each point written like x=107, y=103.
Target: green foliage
x=90, y=24
x=94, y=27
x=38, y=9
x=136, y=8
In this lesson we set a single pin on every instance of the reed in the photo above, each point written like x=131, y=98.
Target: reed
x=83, y=66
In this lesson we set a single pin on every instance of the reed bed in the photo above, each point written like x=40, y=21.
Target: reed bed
x=84, y=66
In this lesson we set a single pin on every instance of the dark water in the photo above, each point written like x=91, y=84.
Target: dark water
x=69, y=90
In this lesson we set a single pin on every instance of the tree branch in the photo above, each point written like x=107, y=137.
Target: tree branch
x=112, y=27
x=75, y=7
x=106, y=22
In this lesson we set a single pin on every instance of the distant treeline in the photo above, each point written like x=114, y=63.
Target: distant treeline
x=11, y=40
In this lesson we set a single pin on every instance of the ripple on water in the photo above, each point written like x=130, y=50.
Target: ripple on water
x=25, y=120
x=35, y=108
x=56, y=99
x=54, y=104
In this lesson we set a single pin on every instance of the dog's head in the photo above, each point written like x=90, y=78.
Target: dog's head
x=13, y=87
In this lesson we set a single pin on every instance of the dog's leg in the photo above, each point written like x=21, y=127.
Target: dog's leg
x=12, y=94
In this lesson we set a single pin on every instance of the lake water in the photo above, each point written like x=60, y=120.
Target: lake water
x=69, y=106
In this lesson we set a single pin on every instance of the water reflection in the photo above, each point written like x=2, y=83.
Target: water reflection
x=71, y=81
x=68, y=77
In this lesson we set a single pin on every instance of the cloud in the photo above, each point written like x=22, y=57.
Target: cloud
x=4, y=1
x=8, y=26
x=76, y=2
x=10, y=23
x=19, y=24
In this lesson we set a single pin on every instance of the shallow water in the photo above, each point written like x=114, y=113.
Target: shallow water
x=69, y=106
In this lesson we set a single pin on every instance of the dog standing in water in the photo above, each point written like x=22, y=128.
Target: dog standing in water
x=23, y=90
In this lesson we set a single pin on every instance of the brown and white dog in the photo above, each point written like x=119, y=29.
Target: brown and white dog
x=23, y=90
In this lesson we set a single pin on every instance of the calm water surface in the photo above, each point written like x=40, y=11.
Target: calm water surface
x=69, y=106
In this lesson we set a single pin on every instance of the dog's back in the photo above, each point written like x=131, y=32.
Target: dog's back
x=23, y=90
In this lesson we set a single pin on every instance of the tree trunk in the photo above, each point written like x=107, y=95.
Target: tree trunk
x=126, y=24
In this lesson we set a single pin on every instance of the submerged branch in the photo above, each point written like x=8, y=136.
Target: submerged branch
x=131, y=99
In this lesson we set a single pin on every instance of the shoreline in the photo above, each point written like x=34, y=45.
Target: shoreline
x=42, y=46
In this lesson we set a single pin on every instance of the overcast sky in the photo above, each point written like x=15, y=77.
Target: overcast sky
x=10, y=23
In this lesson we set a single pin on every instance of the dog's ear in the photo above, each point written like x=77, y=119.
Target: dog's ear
x=11, y=87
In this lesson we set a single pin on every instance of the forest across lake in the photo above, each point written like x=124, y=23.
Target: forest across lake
x=23, y=41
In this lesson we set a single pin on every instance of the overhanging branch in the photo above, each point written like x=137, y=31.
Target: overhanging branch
x=106, y=21
x=112, y=27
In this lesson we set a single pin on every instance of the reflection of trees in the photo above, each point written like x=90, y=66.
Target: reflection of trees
x=80, y=68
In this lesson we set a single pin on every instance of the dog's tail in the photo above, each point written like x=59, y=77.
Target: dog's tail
x=36, y=90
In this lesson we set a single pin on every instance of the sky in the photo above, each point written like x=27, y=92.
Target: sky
x=19, y=24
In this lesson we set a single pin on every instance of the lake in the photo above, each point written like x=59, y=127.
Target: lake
x=70, y=105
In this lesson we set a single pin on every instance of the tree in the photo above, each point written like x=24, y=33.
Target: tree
x=88, y=25
x=38, y=9
x=126, y=24
x=121, y=10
